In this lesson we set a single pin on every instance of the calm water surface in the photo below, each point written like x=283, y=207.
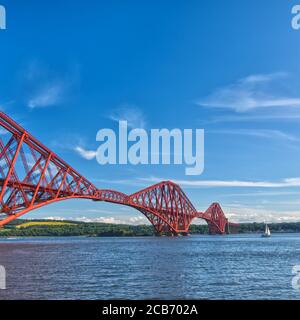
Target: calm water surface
x=196, y=267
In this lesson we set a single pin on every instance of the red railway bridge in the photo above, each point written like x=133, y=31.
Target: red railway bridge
x=32, y=176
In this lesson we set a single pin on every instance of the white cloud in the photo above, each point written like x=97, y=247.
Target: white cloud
x=242, y=214
x=86, y=154
x=235, y=213
x=133, y=115
x=252, y=92
x=138, y=220
x=100, y=219
x=289, y=182
x=57, y=218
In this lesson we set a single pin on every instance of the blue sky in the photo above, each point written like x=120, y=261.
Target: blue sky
x=71, y=68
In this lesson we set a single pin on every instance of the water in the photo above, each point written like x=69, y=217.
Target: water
x=196, y=267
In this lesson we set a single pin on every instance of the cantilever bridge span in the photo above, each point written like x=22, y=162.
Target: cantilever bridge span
x=32, y=176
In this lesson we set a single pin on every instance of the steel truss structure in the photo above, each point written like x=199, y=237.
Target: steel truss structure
x=32, y=176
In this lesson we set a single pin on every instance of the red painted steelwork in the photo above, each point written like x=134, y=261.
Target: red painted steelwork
x=32, y=176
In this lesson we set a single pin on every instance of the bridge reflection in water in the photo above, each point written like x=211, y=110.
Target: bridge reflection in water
x=32, y=176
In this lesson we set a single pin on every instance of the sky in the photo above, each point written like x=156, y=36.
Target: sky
x=71, y=68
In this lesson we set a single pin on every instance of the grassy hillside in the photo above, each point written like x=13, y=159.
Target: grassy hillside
x=43, y=223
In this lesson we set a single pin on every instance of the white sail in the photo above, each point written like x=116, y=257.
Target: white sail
x=267, y=232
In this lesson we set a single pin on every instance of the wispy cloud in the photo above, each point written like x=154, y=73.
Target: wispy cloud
x=3, y=105
x=46, y=87
x=140, y=181
x=285, y=183
x=128, y=182
x=261, y=133
x=282, y=116
x=47, y=96
x=86, y=154
x=263, y=194
x=253, y=92
x=133, y=115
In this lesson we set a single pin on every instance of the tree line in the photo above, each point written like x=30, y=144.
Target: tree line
x=71, y=228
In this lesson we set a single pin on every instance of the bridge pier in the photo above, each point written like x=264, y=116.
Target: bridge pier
x=172, y=234
x=185, y=234
x=214, y=229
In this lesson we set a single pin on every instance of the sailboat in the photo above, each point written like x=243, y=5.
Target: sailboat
x=267, y=232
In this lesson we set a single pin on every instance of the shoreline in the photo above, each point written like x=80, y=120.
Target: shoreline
x=145, y=236
x=67, y=228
